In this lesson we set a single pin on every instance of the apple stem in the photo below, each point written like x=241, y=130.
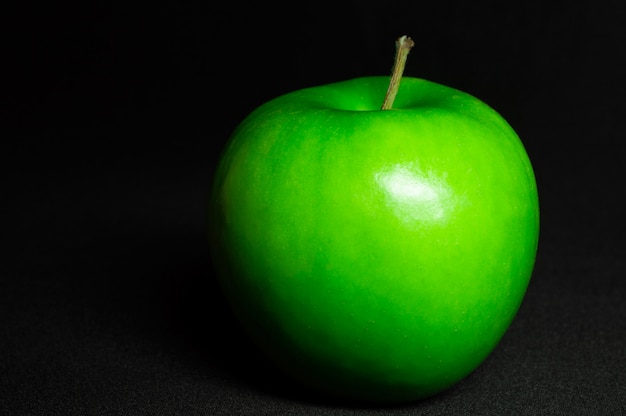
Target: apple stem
x=403, y=47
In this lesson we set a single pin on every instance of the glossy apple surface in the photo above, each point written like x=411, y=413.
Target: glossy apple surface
x=375, y=255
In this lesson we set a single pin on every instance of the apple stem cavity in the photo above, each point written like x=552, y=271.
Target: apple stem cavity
x=403, y=47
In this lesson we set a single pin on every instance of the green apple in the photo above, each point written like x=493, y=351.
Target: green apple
x=375, y=254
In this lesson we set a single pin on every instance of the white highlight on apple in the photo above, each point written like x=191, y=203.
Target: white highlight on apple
x=417, y=198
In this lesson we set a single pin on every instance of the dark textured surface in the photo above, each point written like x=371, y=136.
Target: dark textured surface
x=115, y=115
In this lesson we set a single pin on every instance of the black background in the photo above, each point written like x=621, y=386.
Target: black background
x=113, y=117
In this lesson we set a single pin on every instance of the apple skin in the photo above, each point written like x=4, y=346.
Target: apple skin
x=375, y=255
